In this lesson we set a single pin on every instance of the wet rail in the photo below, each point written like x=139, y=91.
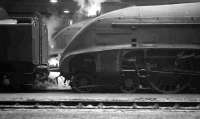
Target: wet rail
x=99, y=101
x=99, y=105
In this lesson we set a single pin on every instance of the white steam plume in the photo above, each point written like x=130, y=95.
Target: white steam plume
x=52, y=22
x=89, y=7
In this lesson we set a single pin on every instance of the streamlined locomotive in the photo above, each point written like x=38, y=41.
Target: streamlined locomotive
x=137, y=47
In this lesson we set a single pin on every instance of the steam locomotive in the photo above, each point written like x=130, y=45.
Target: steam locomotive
x=155, y=47
x=23, y=52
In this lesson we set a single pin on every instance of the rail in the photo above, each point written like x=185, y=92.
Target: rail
x=98, y=105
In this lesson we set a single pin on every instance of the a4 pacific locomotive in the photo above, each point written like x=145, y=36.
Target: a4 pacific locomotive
x=137, y=47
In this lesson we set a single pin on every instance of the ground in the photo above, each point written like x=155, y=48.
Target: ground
x=98, y=114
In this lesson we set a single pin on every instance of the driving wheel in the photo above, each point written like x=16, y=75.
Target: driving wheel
x=129, y=85
x=81, y=83
x=169, y=83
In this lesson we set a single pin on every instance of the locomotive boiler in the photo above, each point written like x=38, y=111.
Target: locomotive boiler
x=155, y=47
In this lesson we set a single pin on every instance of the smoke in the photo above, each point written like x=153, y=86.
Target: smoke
x=53, y=82
x=52, y=22
x=89, y=7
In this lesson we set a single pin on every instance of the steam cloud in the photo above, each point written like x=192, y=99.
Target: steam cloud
x=52, y=23
x=89, y=7
x=54, y=81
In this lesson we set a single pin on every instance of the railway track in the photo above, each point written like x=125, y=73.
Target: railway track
x=63, y=100
x=99, y=105
x=64, y=105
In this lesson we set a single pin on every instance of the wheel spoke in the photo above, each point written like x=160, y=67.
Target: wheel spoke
x=168, y=83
